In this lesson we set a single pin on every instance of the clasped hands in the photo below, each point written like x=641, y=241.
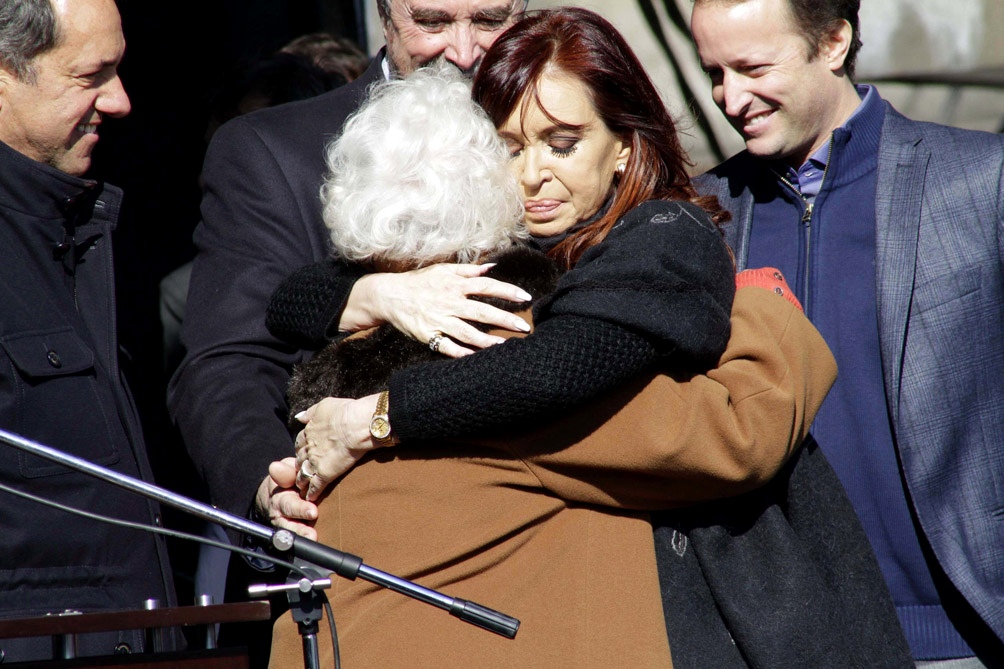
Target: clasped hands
x=335, y=436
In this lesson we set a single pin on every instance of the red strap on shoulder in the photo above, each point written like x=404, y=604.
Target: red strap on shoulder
x=769, y=278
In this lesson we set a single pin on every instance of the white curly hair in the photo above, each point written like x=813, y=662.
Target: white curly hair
x=419, y=175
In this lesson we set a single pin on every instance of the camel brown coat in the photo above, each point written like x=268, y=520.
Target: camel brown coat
x=552, y=529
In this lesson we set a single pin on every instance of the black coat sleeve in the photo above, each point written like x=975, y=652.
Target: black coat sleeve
x=306, y=307
x=261, y=218
x=659, y=289
x=228, y=395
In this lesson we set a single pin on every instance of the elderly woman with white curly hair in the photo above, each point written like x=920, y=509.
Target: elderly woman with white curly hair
x=408, y=191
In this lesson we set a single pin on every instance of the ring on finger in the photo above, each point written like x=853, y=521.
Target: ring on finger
x=434, y=342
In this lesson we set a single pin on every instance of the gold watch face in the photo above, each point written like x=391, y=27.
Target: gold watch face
x=380, y=427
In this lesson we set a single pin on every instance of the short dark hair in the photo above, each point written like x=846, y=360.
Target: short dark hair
x=333, y=54
x=27, y=28
x=816, y=18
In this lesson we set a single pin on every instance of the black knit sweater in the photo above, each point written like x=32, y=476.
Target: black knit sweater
x=657, y=291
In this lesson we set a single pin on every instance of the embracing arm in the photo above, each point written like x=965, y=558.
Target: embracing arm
x=660, y=441
x=658, y=290
x=319, y=303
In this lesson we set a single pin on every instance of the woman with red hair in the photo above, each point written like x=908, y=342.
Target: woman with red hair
x=581, y=51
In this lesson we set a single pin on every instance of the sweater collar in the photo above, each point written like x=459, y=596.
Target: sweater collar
x=853, y=147
x=856, y=143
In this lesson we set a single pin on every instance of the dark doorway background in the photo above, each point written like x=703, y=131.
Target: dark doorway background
x=178, y=53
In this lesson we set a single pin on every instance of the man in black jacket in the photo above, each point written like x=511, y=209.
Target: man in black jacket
x=60, y=381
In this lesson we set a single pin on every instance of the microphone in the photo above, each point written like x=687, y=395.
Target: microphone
x=324, y=557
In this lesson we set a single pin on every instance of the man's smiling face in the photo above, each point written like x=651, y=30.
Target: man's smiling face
x=783, y=99
x=54, y=118
x=420, y=32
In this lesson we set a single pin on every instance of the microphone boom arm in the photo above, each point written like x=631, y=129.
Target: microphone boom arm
x=344, y=564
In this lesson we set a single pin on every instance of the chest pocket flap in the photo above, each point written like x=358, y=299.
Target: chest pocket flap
x=53, y=353
x=55, y=394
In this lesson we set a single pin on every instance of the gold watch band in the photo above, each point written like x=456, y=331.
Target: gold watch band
x=380, y=428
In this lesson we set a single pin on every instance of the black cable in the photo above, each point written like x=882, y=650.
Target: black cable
x=332, y=629
x=156, y=530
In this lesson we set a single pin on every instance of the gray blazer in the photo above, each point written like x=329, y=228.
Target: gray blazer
x=939, y=214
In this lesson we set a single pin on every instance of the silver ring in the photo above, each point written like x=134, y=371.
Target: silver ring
x=303, y=470
x=435, y=341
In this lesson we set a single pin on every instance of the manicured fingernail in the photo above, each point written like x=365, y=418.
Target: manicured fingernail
x=523, y=295
x=489, y=265
x=523, y=325
x=300, y=416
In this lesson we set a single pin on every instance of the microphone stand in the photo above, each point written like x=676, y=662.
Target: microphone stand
x=344, y=564
x=305, y=606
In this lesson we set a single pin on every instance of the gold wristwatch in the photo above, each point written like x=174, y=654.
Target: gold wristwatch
x=380, y=423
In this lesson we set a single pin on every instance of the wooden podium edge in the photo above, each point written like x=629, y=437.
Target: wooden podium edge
x=108, y=621
x=223, y=658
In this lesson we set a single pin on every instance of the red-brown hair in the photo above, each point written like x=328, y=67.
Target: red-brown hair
x=582, y=44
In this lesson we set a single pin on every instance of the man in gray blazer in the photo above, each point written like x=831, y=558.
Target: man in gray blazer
x=891, y=232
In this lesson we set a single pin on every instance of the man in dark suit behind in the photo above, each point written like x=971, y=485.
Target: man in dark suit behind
x=261, y=219
x=892, y=235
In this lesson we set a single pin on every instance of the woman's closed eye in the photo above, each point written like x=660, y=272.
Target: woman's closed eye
x=563, y=148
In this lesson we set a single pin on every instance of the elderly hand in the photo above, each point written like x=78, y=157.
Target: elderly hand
x=335, y=437
x=433, y=301
x=279, y=500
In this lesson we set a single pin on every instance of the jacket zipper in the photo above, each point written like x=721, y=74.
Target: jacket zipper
x=807, y=223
